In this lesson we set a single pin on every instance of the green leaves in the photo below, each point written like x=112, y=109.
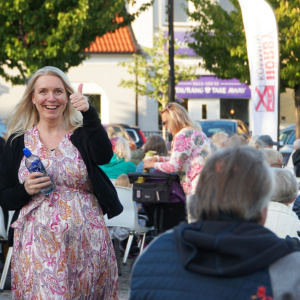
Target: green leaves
x=152, y=69
x=53, y=32
x=220, y=40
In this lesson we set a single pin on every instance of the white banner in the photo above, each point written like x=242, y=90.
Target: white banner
x=263, y=55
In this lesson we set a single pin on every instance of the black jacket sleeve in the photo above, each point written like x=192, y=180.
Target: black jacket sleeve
x=99, y=145
x=13, y=195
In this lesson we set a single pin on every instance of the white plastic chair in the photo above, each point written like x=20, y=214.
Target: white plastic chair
x=9, y=252
x=128, y=219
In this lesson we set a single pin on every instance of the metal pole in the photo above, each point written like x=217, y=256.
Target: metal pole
x=171, y=51
x=136, y=95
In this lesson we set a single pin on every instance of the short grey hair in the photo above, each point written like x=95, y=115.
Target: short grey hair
x=272, y=156
x=296, y=144
x=287, y=187
x=236, y=182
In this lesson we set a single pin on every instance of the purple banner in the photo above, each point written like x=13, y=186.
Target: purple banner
x=212, y=87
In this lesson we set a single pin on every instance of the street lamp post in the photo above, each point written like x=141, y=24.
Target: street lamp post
x=171, y=51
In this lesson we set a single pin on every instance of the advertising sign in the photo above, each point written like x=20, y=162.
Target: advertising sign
x=263, y=55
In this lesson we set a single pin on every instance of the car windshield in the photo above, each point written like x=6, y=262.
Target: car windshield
x=211, y=127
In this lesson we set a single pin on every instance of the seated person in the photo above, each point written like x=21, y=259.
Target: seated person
x=280, y=218
x=173, y=212
x=237, y=139
x=120, y=162
x=226, y=253
x=123, y=180
x=273, y=157
x=220, y=139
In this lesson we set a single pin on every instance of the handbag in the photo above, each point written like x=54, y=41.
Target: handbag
x=155, y=188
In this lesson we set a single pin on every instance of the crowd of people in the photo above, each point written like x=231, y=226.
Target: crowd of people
x=230, y=220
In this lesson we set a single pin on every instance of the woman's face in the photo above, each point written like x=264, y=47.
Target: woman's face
x=50, y=97
x=165, y=121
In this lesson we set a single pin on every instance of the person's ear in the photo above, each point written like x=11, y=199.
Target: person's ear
x=263, y=218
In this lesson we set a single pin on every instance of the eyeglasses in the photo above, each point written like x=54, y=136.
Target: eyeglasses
x=280, y=166
x=164, y=123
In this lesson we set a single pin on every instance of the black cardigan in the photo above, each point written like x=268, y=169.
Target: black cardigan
x=92, y=142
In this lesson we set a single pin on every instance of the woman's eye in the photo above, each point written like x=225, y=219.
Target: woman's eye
x=42, y=92
x=58, y=91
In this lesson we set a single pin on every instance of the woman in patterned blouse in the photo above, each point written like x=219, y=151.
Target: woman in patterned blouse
x=190, y=148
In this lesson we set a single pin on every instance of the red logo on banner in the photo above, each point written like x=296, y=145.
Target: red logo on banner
x=266, y=98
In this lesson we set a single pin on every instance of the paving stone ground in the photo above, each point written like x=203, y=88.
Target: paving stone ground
x=123, y=283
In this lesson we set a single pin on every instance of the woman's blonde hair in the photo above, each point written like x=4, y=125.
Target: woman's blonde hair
x=121, y=147
x=25, y=114
x=178, y=117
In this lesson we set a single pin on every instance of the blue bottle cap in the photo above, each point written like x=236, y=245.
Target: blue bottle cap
x=26, y=152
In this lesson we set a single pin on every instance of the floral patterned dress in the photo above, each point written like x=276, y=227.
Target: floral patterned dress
x=190, y=150
x=62, y=249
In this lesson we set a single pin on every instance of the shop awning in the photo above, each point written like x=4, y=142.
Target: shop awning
x=212, y=87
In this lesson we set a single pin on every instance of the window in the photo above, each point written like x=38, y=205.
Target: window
x=95, y=100
x=180, y=15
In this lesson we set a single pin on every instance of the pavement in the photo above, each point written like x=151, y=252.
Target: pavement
x=123, y=283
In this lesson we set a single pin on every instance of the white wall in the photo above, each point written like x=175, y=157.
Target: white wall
x=143, y=26
x=195, y=108
x=101, y=73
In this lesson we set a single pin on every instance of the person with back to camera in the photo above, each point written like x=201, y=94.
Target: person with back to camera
x=62, y=249
x=190, y=147
x=226, y=253
x=280, y=218
x=274, y=158
x=173, y=212
x=120, y=162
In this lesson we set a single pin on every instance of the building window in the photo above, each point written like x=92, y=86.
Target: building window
x=180, y=7
x=95, y=100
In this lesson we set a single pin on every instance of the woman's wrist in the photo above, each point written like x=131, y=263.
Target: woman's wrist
x=157, y=158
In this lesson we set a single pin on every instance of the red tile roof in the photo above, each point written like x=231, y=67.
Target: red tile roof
x=121, y=40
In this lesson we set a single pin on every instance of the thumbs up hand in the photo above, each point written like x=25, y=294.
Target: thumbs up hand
x=78, y=100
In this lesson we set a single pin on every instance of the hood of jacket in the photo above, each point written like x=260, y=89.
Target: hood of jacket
x=228, y=247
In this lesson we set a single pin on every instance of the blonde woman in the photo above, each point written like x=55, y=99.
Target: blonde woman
x=190, y=147
x=62, y=249
x=120, y=162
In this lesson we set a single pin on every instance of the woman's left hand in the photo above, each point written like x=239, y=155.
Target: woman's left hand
x=79, y=101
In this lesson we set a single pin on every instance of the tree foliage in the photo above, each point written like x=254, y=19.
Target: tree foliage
x=152, y=69
x=35, y=33
x=220, y=40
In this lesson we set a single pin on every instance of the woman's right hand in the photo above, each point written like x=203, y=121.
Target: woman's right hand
x=35, y=182
x=149, y=163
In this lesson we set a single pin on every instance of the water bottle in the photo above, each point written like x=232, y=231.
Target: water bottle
x=34, y=164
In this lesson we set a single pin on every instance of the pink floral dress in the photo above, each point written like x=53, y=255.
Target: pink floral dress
x=62, y=249
x=190, y=150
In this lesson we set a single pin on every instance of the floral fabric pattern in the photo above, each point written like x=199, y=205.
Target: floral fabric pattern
x=190, y=150
x=62, y=248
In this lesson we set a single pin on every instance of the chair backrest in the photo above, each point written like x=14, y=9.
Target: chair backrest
x=3, y=231
x=129, y=216
x=10, y=216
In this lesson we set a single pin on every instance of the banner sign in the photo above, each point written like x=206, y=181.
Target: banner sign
x=212, y=87
x=263, y=55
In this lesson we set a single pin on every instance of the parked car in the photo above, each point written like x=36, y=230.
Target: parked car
x=230, y=126
x=287, y=138
x=136, y=134
x=114, y=130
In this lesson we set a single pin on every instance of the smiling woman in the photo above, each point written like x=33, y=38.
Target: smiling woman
x=64, y=230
